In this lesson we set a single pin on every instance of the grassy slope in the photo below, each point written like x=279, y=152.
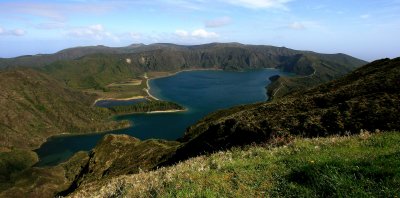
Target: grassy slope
x=34, y=106
x=364, y=165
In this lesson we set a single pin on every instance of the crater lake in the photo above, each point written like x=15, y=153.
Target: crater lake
x=200, y=92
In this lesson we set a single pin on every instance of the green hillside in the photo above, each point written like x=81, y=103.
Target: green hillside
x=365, y=165
x=34, y=107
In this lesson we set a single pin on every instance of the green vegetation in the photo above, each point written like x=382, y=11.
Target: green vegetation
x=34, y=107
x=148, y=106
x=365, y=165
x=94, y=71
x=121, y=90
x=312, y=70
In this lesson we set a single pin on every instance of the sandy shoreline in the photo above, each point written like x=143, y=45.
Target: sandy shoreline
x=167, y=111
x=119, y=99
x=147, y=90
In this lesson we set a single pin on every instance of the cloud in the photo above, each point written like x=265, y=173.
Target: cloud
x=365, y=16
x=218, y=22
x=96, y=31
x=297, y=26
x=182, y=33
x=18, y=32
x=201, y=33
x=260, y=4
x=14, y=32
x=195, y=34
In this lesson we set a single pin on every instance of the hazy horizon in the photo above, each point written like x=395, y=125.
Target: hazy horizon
x=364, y=29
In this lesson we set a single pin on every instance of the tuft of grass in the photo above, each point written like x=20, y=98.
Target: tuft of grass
x=365, y=165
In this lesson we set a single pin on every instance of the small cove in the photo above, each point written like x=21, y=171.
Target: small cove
x=201, y=92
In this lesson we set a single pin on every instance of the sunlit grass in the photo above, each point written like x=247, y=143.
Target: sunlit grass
x=357, y=166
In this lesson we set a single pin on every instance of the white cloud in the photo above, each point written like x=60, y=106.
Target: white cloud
x=97, y=28
x=196, y=34
x=96, y=31
x=201, y=33
x=365, y=16
x=218, y=22
x=182, y=33
x=14, y=32
x=260, y=4
x=18, y=32
x=297, y=26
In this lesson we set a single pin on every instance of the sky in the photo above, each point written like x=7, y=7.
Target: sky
x=366, y=29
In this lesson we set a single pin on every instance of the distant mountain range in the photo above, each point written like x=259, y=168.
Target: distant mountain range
x=208, y=50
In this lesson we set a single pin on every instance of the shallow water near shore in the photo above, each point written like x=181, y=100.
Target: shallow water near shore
x=200, y=92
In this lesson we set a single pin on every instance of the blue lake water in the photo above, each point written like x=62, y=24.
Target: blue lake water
x=201, y=92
